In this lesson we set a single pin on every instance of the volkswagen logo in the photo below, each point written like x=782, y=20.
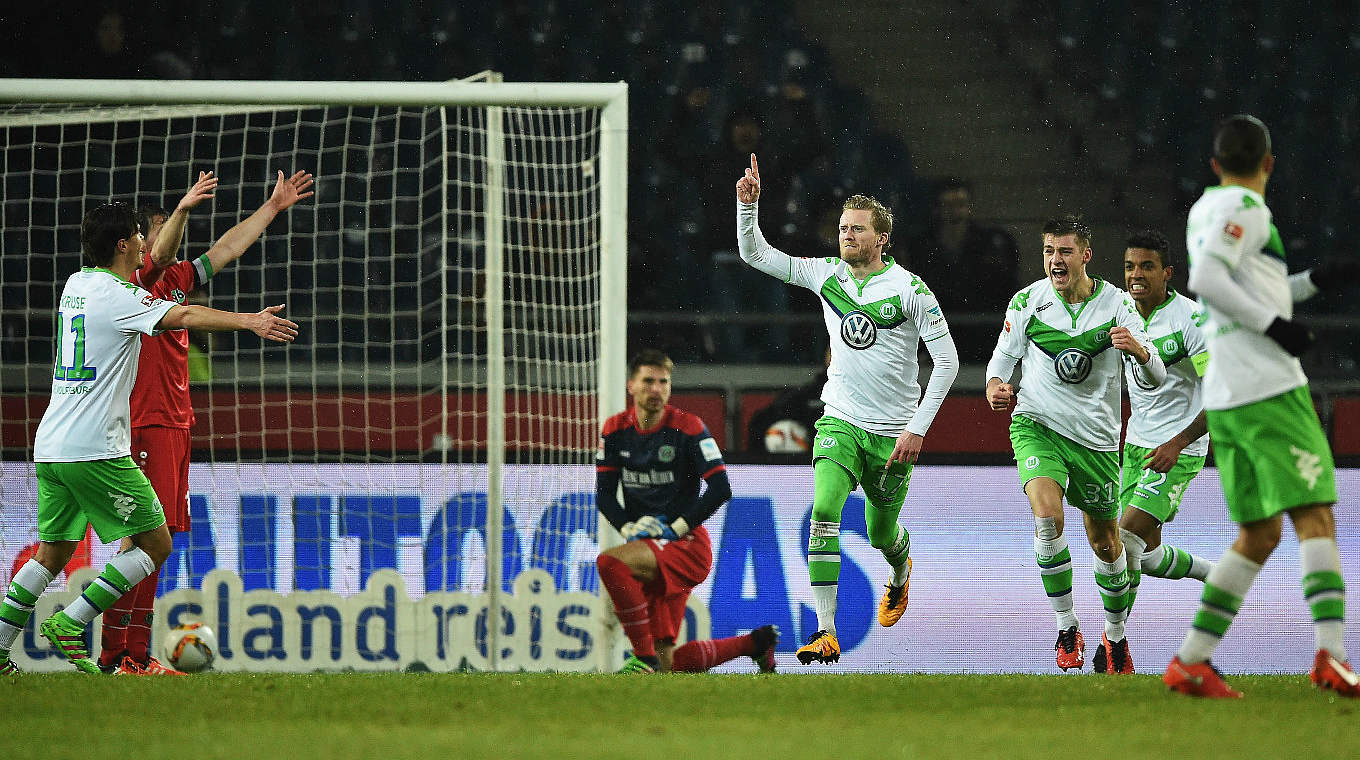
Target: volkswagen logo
x=1073, y=365
x=858, y=330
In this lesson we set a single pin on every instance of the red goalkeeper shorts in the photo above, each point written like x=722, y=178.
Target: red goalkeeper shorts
x=684, y=564
x=163, y=454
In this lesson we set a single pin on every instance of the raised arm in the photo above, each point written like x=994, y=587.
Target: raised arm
x=751, y=242
x=172, y=232
x=287, y=191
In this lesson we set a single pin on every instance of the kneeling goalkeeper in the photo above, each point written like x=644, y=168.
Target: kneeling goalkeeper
x=660, y=454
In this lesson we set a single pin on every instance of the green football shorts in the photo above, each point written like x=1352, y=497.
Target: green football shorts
x=113, y=495
x=863, y=455
x=1089, y=478
x=1157, y=493
x=1272, y=456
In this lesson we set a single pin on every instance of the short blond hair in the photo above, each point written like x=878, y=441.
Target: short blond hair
x=880, y=216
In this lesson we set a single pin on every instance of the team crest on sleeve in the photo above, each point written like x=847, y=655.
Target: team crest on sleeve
x=1073, y=365
x=858, y=330
x=709, y=448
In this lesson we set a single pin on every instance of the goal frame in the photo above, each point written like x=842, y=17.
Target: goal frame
x=610, y=98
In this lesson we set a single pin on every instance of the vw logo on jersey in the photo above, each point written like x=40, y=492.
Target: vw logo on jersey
x=1073, y=365
x=858, y=330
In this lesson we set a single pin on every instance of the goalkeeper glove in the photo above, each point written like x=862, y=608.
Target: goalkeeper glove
x=648, y=527
x=1292, y=336
x=1335, y=273
x=631, y=531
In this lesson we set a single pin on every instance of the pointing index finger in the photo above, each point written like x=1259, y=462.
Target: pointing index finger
x=755, y=167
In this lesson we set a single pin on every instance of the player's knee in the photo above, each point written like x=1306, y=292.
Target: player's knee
x=1047, y=528
x=53, y=555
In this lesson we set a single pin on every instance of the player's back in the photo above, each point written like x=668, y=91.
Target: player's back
x=1232, y=224
x=100, y=320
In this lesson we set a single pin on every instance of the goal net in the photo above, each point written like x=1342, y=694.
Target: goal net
x=458, y=279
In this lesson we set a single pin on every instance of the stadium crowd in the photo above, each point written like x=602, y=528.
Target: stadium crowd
x=714, y=80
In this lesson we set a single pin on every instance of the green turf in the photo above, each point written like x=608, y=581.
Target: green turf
x=682, y=716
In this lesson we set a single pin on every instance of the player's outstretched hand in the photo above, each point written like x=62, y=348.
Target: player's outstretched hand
x=908, y=448
x=1122, y=339
x=1000, y=396
x=748, y=187
x=290, y=190
x=268, y=325
x=202, y=190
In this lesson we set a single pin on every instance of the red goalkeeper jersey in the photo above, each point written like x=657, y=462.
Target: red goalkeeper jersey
x=161, y=394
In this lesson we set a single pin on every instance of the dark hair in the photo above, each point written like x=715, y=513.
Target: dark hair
x=146, y=211
x=1241, y=143
x=1069, y=224
x=102, y=228
x=1152, y=240
x=648, y=357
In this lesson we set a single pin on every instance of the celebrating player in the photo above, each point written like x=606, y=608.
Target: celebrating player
x=1271, y=452
x=86, y=475
x=162, y=413
x=660, y=453
x=872, y=431
x=1167, y=437
x=1065, y=429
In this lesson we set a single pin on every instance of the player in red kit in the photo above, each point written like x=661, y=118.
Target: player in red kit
x=162, y=413
x=660, y=454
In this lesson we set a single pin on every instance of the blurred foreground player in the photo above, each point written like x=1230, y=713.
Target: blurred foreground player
x=1272, y=454
x=162, y=412
x=660, y=454
x=82, y=451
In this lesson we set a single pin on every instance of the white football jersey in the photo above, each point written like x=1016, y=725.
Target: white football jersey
x=1071, y=369
x=1158, y=414
x=100, y=320
x=875, y=326
x=1232, y=224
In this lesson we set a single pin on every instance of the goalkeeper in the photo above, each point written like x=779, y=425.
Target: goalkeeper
x=877, y=314
x=660, y=454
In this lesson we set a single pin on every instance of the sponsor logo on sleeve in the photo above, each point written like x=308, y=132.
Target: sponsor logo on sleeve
x=709, y=448
x=1232, y=233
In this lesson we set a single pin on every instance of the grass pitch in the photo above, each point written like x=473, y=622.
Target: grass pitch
x=534, y=715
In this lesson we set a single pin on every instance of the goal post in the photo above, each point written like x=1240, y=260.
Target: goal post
x=460, y=280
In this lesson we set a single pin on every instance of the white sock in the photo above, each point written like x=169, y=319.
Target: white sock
x=1114, y=600
x=1232, y=575
x=28, y=584
x=824, y=597
x=1325, y=592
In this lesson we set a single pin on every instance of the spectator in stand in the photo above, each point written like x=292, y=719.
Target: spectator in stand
x=952, y=253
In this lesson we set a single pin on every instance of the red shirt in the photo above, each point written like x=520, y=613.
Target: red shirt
x=161, y=395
